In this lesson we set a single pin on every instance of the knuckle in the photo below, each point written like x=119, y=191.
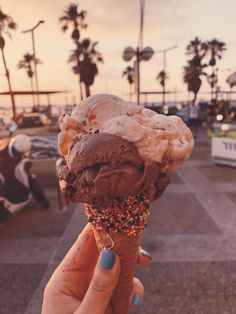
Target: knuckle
x=100, y=284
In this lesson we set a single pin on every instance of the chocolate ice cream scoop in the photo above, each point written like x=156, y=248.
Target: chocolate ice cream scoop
x=102, y=149
x=157, y=137
x=103, y=166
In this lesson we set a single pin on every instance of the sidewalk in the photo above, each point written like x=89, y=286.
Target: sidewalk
x=191, y=236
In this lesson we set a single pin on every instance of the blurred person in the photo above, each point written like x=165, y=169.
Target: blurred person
x=223, y=110
x=232, y=114
x=211, y=117
x=194, y=118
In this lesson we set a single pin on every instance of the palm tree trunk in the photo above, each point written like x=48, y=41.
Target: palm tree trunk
x=32, y=90
x=87, y=90
x=212, y=89
x=9, y=85
x=163, y=94
x=80, y=89
x=194, y=98
x=130, y=92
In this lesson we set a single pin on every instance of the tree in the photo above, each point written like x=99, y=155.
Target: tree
x=192, y=78
x=75, y=18
x=129, y=74
x=212, y=79
x=86, y=58
x=215, y=49
x=26, y=63
x=195, y=47
x=7, y=24
x=162, y=77
x=194, y=69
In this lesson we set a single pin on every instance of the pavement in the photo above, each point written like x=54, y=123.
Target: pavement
x=191, y=236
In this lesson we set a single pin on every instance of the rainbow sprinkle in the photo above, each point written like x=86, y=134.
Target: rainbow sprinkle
x=128, y=215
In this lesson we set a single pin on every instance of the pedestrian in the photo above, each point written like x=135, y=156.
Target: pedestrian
x=194, y=119
x=211, y=117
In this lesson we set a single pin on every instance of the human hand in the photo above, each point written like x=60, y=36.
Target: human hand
x=84, y=281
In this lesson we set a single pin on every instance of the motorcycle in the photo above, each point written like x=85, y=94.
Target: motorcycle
x=17, y=185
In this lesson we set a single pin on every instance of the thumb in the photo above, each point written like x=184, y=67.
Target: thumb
x=102, y=285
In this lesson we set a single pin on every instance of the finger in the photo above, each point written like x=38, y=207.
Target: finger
x=73, y=275
x=144, y=258
x=82, y=252
x=136, y=295
x=103, y=283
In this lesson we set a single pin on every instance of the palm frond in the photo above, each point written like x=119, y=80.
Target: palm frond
x=64, y=28
x=100, y=59
x=63, y=18
x=12, y=25
x=82, y=14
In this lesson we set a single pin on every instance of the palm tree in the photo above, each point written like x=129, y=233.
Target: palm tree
x=212, y=79
x=75, y=18
x=215, y=48
x=195, y=47
x=129, y=73
x=86, y=58
x=194, y=69
x=6, y=24
x=192, y=78
x=26, y=63
x=162, y=77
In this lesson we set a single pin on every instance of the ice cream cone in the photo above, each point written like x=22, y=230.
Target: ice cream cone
x=127, y=247
x=119, y=226
x=117, y=160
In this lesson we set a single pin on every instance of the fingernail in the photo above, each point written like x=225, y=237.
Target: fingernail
x=107, y=259
x=146, y=254
x=136, y=300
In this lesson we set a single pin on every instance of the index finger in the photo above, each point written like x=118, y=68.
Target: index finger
x=73, y=275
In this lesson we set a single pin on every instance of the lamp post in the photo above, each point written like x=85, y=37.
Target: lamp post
x=164, y=51
x=35, y=61
x=140, y=55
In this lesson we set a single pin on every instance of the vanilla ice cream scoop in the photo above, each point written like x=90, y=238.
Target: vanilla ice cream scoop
x=159, y=138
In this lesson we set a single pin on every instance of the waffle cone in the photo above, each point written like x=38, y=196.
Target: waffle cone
x=127, y=247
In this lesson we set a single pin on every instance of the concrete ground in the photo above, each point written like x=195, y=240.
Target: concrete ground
x=191, y=236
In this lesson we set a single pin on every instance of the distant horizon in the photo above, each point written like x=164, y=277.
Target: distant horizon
x=20, y=107
x=165, y=25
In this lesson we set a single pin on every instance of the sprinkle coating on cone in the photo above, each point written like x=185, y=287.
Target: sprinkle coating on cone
x=128, y=215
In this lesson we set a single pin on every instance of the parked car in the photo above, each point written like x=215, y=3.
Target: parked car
x=30, y=120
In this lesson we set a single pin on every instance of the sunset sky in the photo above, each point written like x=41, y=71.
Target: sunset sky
x=114, y=24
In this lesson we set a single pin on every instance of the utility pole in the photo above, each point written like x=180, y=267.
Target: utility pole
x=35, y=59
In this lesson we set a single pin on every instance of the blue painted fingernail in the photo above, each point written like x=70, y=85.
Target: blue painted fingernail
x=136, y=300
x=107, y=259
x=146, y=254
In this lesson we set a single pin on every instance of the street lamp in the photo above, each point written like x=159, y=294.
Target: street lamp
x=164, y=51
x=35, y=63
x=140, y=55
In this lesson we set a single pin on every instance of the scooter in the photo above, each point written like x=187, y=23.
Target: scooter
x=59, y=163
x=17, y=185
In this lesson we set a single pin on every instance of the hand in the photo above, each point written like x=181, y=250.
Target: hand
x=84, y=281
